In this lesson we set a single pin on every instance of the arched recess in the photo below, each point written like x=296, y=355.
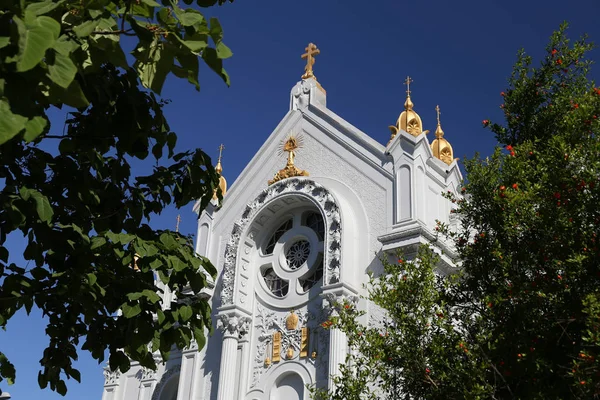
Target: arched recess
x=345, y=222
x=285, y=374
x=168, y=386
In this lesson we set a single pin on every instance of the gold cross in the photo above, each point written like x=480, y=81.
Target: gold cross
x=311, y=52
x=437, y=109
x=407, y=82
x=221, y=148
x=178, y=221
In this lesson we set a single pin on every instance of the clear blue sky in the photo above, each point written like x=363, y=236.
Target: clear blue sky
x=458, y=53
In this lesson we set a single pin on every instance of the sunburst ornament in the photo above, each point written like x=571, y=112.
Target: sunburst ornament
x=289, y=145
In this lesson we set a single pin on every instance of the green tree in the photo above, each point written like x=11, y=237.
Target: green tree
x=525, y=307
x=70, y=190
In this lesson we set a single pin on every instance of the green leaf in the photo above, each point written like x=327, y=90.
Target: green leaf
x=74, y=96
x=188, y=17
x=151, y=295
x=34, y=40
x=209, y=55
x=62, y=71
x=153, y=64
x=64, y=45
x=223, y=51
x=151, y=3
x=176, y=263
x=42, y=205
x=4, y=41
x=92, y=278
x=131, y=311
x=10, y=124
x=216, y=31
x=97, y=241
x=185, y=313
x=86, y=28
x=34, y=127
x=43, y=7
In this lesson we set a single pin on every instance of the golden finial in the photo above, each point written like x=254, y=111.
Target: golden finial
x=289, y=145
x=219, y=167
x=408, y=104
x=408, y=121
x=440, y=147
x=178, y=219
x=311, y=52
x=219, y=170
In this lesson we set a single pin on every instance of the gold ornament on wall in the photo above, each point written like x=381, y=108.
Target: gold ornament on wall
x=291, y=322
x=276, y=347
x=290, y=145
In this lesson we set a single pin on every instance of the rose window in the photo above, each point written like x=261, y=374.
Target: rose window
x=297, y=254
x=291, y=257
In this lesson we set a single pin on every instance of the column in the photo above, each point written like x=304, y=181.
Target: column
x=233, y=326
x=245, y=371
x=338, y=341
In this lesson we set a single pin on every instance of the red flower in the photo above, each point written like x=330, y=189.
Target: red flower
x=597, y=90
x=502, y=94
x=509, y=148
x=347, y=306
x=512, y=153
x=485, y=122
x=502, y=187
x=559, y=61
x=559, y=277
x=427, y=370
x=557, y=195
x=515, y=186
x=575, y=105
x=554, y=51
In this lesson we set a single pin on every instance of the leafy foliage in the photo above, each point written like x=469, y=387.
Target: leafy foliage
x=73, y=196
x=525, y=307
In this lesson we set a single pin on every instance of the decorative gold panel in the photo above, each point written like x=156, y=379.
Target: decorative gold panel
x=304, y=343
x=276, y=347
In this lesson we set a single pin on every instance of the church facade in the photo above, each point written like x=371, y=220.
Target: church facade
x=293, y=240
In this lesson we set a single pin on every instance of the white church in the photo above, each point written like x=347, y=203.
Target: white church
x=292, y=241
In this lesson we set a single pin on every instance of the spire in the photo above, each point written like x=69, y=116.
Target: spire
x=408, y=121
x=289, y=145
x=440, y=147
x=219, y=171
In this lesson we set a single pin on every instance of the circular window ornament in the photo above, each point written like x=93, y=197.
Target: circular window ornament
x=297, y=254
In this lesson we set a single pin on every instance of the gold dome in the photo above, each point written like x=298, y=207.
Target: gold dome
x=408, y=121
x=440, y=147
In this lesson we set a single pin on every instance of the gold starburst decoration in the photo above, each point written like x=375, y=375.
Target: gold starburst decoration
x=289, y=145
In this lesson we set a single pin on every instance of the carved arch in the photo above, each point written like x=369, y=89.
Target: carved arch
x=299, y=186
x=166, y=378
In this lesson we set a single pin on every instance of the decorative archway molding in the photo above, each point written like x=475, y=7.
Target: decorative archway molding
x=308, y=188
x=164, y=379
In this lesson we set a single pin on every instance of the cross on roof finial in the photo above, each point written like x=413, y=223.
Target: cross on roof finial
x=221, y=148
x=178, y=221
x=311, y=52
x=407, y=82
x=437, y=109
